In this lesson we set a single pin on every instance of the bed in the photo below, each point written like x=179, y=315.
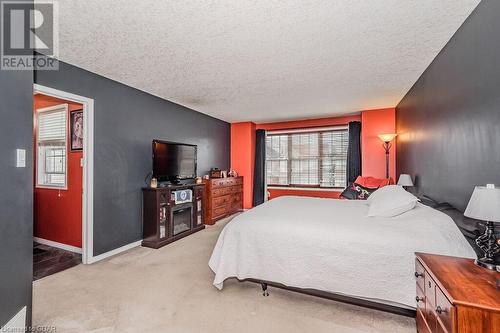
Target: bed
x=330, y=246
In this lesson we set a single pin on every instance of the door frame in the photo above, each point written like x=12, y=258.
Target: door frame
x=88, y=166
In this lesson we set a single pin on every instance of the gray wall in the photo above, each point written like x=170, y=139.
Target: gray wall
x=449, y=122
x=126, y=121
x=16, y=193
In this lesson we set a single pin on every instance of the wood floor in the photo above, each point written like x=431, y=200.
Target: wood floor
x=49, y=260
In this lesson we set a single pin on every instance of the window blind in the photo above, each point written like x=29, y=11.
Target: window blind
x=51, y=147
x=313, y=159
x=52, y=126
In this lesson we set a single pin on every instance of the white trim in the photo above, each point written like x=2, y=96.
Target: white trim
x=319, y=189
x=307, y=130
x=64, y=106
x=58, y=245
x=88, y=166
x=115, y=251
x=16, y=323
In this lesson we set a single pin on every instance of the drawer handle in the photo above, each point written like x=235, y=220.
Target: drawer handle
x=430, y=285
x=440, y=310
x=417, y=274
x=419, y=299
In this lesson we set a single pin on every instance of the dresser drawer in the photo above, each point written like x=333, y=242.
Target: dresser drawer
x=224, y=182
x=420, y=299
x=216, y=183
x=419, y=275
x=219, y=211
x=217, y=192
x=236, y=189
x=221, y=201
x=444, y=311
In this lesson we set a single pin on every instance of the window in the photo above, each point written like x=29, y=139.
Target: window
x=51, y=146
x=308, y=159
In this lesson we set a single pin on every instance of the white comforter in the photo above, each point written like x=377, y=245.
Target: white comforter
x=331, y=245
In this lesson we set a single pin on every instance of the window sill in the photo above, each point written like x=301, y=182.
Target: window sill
x=319, y=189
x=46, y=187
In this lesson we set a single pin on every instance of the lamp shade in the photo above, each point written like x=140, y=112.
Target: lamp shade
x=387, y=137
x=484, y=204
x=405, y=180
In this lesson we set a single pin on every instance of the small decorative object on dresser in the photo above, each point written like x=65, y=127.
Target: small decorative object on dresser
x=484, y=205
x=224, y=197
x=215, y=173
x=454, y=295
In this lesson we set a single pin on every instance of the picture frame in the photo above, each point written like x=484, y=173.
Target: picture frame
x=76, y=130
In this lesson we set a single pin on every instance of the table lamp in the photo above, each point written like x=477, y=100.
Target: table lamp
x=405, y=180
x=484, y=205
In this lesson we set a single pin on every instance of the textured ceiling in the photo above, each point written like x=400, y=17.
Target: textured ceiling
x=262, y=60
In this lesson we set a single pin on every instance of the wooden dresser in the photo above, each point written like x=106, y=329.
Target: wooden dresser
x=455, y=295
x=224, y=196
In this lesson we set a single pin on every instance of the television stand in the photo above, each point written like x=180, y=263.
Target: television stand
x=164, y=220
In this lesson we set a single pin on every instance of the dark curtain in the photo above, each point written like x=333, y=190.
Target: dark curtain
x=259, y=167
x=354, y=152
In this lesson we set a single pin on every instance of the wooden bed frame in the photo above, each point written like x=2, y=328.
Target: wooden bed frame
x=403, y=311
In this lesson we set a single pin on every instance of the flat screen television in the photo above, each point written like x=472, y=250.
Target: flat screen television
x=173, y=161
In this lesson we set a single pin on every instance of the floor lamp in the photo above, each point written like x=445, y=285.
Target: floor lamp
x=387, y=138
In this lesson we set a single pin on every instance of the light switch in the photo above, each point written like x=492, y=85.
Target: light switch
x=21, y=158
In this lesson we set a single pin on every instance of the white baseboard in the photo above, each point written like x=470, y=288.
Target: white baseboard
x=115, y=252
x=58, y=245
x=17, y=323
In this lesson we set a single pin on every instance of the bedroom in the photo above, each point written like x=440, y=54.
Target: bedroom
x=316, y=83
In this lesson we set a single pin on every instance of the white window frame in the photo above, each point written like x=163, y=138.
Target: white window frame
x=38, y=112
x=299, y=131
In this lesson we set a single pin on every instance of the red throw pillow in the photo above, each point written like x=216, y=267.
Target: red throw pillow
x=372, y=182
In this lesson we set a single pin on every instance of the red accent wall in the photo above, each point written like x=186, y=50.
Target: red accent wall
x=58, y=214
x=243, y=156
x=374, y=122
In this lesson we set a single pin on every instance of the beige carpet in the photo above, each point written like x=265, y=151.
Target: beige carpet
x=170, y=290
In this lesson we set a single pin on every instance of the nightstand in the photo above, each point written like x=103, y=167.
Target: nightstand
x=455, y=295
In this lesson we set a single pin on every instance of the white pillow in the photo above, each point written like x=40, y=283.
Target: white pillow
x=391, y=200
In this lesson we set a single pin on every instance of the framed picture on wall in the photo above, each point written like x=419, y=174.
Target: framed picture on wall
x=76, y=130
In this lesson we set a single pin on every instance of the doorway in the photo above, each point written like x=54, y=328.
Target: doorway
x=58, y=177
x=63, y=218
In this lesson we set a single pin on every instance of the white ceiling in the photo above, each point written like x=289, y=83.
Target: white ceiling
x=262, y=60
